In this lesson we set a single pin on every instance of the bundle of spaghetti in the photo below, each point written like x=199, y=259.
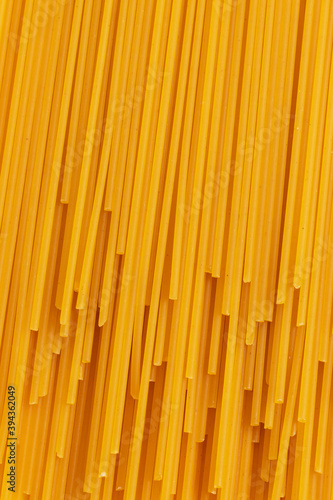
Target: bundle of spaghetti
x=166, y=249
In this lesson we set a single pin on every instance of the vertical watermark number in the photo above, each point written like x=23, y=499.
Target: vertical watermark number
x=11, y=442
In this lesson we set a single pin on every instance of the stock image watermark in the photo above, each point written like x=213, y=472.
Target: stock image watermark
x=258, y=483
x=43, y=356
x=322, y=251
x=45, y=11
x=131, y=438
x=226, y=6
x=215, y=181
x=121, y=108
x=12, y=439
